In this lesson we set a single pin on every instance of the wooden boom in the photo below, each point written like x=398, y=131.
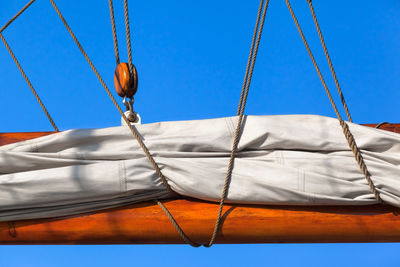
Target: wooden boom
x=146, y=223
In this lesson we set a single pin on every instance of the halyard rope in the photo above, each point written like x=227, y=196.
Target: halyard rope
x=345, y=128
x=128, y=37
x=114, y=31
x=127, y=31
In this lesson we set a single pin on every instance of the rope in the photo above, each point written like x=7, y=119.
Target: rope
x=114, y=31
x=345, y=128
x=328, y=58
x=29, y=83
x=249, y=58
x=16, y=15
x=128, y=37
x=381, y=124
x=237, y=132
x=176, y=225
x=132, y=129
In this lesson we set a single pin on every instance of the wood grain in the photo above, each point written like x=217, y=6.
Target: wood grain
x=146, y=223
x=125, y=83
x=121, y=79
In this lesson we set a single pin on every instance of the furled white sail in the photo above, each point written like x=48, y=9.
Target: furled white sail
x=291, y=160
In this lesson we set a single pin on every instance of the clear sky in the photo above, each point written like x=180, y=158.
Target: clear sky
x=191, y=58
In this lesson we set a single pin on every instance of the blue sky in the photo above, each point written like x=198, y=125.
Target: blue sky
x=191, y=58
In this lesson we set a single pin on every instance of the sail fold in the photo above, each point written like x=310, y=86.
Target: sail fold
x=281, y=160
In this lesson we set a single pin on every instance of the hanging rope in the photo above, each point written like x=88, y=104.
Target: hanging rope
x=127, y=30
x=128, y=36
x=328, y=58
x=29, y=83
x=16, y=15
x=345, y=128
x=242, y=104
x=114, y=31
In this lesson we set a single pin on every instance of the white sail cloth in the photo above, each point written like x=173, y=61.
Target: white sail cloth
x=291, y=159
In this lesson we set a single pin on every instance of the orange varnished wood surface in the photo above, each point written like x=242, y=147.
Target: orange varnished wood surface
x=146, y=223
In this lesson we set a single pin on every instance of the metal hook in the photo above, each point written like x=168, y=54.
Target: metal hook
x=131, y=115
x=128, y=103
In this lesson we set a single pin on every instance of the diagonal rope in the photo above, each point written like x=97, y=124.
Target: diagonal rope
x=328, y=58
x=131, y=128
x=114, y=31
x=16, y=15
x=128, y=36
x=29, y=83
x=246, y=75
x=345, y=128
x=237, y=132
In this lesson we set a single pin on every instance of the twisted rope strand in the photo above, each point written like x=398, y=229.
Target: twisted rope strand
x=246, y=75
x=131, y=128
x=114, y=31
x=128, y=36
x=16, y=15
x=29, y=83
x=237, y=133
x=328, y=58
x=346, y=131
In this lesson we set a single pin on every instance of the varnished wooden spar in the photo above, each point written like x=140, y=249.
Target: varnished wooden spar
x=146, y=223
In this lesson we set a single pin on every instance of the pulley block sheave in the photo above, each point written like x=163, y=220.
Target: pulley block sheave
x=125, y=80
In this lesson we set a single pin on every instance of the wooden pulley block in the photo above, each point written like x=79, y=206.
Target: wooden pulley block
x=126, y=84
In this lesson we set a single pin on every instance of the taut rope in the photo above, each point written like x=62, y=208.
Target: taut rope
x=345, y=128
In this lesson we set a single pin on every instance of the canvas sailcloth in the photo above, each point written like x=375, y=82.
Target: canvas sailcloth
x=288, y=160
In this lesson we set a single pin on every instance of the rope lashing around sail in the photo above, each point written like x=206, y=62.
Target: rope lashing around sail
x=346, y=131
